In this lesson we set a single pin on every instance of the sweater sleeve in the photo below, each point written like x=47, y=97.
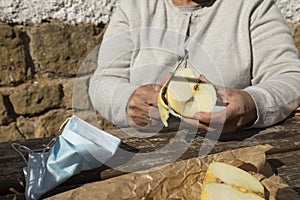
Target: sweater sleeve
x=110, y=88
x=275, y=85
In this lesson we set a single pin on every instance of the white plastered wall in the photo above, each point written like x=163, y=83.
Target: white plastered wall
x=89, y=11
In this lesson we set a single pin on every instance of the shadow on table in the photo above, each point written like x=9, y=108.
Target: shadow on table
x=239, y=135
x=287, y=193
x=275, y=164
x=283, y=193
x=297, y=189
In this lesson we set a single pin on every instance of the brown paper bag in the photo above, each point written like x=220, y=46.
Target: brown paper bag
x=181, y=180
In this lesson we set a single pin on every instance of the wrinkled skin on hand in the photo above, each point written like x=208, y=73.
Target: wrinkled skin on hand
x=240, y=111
x=142, y=106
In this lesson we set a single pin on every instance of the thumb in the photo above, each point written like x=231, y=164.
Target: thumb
x=221, y=91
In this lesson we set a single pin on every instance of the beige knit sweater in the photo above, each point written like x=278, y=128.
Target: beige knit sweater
x=243, y=44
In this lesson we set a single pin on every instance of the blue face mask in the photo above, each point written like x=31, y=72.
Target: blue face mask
x=80, y=147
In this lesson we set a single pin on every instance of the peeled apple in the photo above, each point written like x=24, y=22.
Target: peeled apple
x=185, y=96
x=223, y=181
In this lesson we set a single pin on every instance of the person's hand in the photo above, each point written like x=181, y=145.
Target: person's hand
x=240, y=111
x=142, y=106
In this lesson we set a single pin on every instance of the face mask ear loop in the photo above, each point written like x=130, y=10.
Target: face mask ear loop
x=20, y=149
x=60, y=130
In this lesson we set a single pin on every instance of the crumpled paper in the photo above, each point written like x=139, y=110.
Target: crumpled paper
x=183, y=179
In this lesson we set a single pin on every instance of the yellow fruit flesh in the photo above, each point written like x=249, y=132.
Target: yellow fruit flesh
x=241, y=182
x=186, y=97
x=217, y=191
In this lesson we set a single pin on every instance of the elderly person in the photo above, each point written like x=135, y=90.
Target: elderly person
x=244, y=46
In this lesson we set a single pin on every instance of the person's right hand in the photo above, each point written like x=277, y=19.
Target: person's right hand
x=240, y=111
x=142, y=106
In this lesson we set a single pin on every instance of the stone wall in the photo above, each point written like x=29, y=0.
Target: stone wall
x=47, y=53
x=40, y=65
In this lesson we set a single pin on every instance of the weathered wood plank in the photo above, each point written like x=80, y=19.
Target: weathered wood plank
x=287, y=166
x=11, y=164
x=284, y=137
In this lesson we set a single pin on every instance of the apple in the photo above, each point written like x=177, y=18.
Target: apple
x=185, y=95
x=216, y=191
x=223, y=181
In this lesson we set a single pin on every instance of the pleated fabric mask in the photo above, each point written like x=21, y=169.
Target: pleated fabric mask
x=79, y=147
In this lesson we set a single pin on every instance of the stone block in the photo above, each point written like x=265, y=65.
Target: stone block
x=29, y=99
x=94, y=119
x=26, y=126
x=80, y=97
x=297, y=36
x=4, y=118
x=49, y=123
x=88, y=116
x=13, y=66
x=60, y=48
x=76, y=93
x=68, y=90
x=9, y=133
x=89, y=64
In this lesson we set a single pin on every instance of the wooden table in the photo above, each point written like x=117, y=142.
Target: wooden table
x=284, y=158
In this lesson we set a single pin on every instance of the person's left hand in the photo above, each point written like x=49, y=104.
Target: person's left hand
x=240, y=111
